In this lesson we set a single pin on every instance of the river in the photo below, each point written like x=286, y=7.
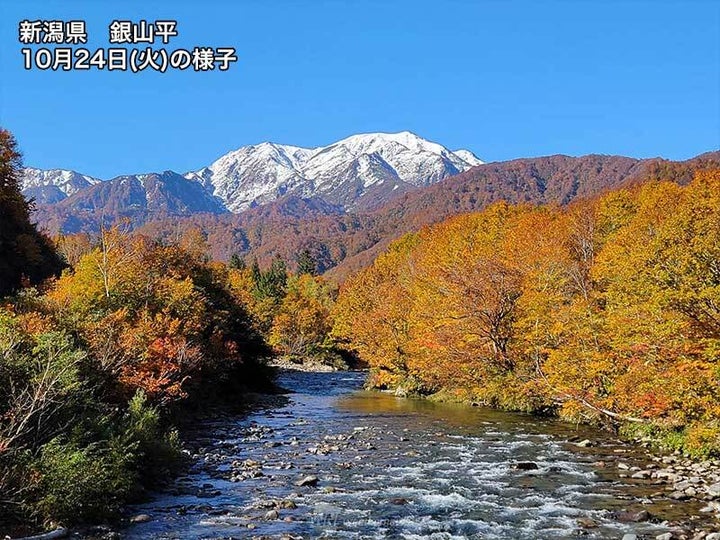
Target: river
x=390, y=467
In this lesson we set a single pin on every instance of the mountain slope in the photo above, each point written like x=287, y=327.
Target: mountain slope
x=137, y=198
x=545, y=180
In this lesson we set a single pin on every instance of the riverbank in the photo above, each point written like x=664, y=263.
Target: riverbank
x=189, y=424
x=674, y=480
x=282, y=363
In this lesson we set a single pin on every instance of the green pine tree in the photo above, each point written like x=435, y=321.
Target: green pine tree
x=306, y=263
x=237, y=262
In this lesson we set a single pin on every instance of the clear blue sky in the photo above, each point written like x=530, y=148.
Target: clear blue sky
x=504, y=79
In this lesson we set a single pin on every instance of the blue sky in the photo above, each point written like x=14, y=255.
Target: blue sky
x=504, y=79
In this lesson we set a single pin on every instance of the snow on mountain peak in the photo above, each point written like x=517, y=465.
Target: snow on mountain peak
x=342, y=172
x=468, y=157
x=53, y=185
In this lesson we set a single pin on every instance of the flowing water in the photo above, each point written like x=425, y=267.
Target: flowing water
x=389, y=467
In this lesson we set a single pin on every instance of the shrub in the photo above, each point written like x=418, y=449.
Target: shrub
x=82, y=483
x=157, y=450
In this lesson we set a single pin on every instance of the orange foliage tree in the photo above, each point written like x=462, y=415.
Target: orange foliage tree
x=608, y=309
x=156, y=317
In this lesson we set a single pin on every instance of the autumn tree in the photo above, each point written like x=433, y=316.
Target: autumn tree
x=71, y=247
x=157, y=316
x=302, y=323
x=606, y=311
x=372, y=315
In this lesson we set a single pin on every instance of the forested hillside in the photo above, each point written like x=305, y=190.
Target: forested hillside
x=605, y=311
x=344, y=243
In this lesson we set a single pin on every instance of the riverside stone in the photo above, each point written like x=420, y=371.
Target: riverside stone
x=587, y=523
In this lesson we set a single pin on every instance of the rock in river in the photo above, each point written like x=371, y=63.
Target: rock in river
x=309, y=480
x=633, y=517
x=584, y=443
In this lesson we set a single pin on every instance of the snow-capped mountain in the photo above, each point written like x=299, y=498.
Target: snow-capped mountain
x=139, y=198
x=53, y=185
x=349, y=172
x=468, y=157
x=253, y=174
x=360, y=172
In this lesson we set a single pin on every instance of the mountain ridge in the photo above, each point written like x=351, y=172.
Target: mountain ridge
x=360, y=171
x=48, y=186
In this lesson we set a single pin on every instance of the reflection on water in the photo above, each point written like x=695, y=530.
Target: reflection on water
x=398, y=468
x=458, y=415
